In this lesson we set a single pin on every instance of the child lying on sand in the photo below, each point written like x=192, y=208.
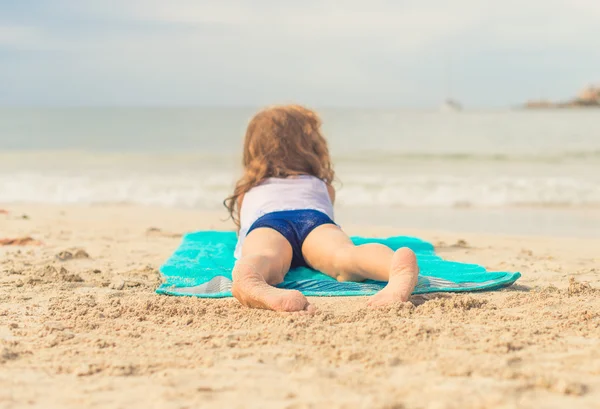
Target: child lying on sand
x=283, y=207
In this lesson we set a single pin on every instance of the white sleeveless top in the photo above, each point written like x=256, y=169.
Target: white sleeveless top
x=278, y=194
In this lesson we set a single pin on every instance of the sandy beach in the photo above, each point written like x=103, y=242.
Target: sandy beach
x=81, y=326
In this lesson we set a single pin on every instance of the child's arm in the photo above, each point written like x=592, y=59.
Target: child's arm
x=331, y=191
x=240, y=200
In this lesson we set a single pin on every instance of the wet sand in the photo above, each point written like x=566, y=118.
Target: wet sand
x=80, y=326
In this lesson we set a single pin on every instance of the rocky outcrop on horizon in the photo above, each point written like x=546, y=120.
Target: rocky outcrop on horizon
x=588, y=97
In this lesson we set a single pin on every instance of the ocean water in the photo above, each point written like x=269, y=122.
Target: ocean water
x=386, y=160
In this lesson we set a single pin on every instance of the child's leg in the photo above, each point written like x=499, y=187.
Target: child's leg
x=266, y=258
x=328, y=249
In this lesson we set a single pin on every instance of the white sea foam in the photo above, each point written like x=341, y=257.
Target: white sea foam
x=205, y=189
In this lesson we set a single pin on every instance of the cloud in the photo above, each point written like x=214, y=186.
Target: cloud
x=322, y=52
x=517, y=22
x=309, y=21
x=16, y=36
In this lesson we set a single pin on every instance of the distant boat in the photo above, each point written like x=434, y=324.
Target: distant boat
x=451, y=105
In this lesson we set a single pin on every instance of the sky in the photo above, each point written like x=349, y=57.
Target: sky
x=375, y=53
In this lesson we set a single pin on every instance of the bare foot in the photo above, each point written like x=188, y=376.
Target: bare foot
x=251, y=290
x=404, y=273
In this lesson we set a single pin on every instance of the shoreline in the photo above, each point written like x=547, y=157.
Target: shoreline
x=520, y=221
x=90, y=331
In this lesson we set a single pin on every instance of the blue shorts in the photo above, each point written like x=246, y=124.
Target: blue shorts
x=295, y=226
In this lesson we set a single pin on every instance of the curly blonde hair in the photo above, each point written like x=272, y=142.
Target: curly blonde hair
x=281, y=141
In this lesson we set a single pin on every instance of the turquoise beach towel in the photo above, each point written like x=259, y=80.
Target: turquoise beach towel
x=202, y=265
